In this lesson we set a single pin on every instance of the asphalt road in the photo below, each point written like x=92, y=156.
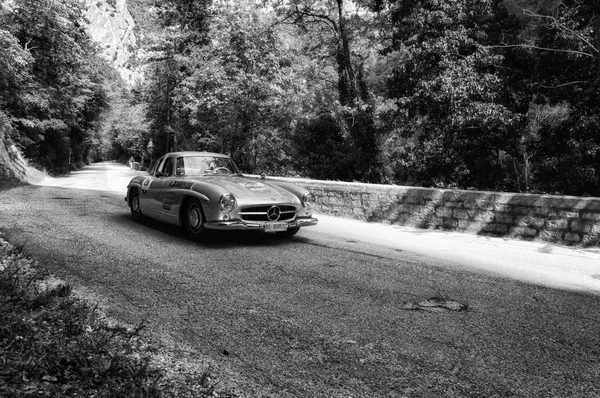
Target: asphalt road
x=343, y=309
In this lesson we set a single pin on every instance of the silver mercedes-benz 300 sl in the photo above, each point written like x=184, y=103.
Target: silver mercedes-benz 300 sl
x=201, y=191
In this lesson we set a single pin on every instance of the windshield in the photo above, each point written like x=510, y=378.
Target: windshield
x=205, y=165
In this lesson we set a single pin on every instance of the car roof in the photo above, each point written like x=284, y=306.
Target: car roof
x=196, y=153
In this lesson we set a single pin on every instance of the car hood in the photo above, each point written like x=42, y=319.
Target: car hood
x=243, y=187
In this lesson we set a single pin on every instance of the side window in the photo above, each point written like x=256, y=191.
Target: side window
x=167, y=167
x=152, y=168
x=157, y=166
x=180, y=170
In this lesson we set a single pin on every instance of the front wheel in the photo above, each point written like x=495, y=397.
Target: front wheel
x=289, y=232
x=193, y=220
x=134, y=204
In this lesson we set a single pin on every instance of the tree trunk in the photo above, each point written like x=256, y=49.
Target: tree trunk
x=597, y=29
x=346, y=75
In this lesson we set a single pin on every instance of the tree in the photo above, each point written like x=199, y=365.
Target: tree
x=329, y=28
x=185, y=27
x=15, y=71
x=62, y=88
x=558, y=69
x=451, y=123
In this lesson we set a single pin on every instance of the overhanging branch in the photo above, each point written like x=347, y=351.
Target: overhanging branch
x=532, y=47
x=558, y=25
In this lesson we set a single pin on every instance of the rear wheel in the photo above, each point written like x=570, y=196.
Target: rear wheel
x=289, y=232
x=193, y=220
x=134, y=204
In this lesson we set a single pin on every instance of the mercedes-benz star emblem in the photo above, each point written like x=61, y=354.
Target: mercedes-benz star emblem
x=273, y=213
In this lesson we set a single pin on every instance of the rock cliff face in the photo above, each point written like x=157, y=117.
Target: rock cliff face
x=13, y=167
x=112, y=27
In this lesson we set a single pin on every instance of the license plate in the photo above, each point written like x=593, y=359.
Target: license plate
x=275, y=227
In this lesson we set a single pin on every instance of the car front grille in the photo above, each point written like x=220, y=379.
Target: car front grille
x=261, y=213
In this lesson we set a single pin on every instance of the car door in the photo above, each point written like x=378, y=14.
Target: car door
x=169, y=199
x=152, y=186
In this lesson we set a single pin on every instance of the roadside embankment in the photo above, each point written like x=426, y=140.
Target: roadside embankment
x=565, y=220
x=13, y=166
x=54, y=342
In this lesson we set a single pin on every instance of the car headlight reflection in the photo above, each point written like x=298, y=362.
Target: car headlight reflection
x=308, y=200
x=227, y=202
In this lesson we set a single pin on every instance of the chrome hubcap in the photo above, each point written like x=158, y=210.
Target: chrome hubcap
x=135, y=203
x=194, y=218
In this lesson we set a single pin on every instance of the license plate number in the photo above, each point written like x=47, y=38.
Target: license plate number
x=275, y=227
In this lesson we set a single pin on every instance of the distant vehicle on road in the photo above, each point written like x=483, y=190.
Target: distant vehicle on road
x=201, y=191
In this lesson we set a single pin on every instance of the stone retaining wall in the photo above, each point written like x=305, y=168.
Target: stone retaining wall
x=557, y=219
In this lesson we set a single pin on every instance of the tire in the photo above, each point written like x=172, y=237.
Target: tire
x=134, y=205
x=193, y=220
x=289, y=233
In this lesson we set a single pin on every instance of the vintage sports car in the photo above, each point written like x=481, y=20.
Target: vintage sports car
x=202, y=191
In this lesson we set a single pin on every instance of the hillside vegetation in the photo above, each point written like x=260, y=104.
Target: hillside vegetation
x=473, y=94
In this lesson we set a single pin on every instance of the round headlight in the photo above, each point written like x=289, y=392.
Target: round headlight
x=308, y=200
x=227, y=202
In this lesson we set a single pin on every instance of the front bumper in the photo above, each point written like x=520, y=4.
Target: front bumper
x=251, y=225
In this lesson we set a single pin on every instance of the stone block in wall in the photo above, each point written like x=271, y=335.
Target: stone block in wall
x=502, y=208
x=479, y=200
x=562, y=213
x=421, y=222
x=581, y=226
x=359, y=213
x=495, y=229
x=504, y=218
x=460, y=214
x=557, y=224
x=443, y=212
x=509, y=198
x=412, y=208
x=551, y=236
x=524, y=232
x=450, y=223
x=411, y=197
x=401, y=219
x=523, y=210
x=587, y=215
x=321, y=208
x=435, y=222
x=530, y=221
x=471, y=226
x=336, y=201
x=482, y=215
x=591, y=240
x=356, y=200
x=571, y=238
x=385, y=198
x=338, y=209
x=392, y=217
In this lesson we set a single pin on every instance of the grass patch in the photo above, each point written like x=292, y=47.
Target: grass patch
x=53, y=344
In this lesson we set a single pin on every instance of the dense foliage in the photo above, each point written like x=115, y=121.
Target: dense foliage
x=473, y=94
x=52, y=81
x=484, y=94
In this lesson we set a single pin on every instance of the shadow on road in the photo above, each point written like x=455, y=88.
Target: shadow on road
x=215, y=240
